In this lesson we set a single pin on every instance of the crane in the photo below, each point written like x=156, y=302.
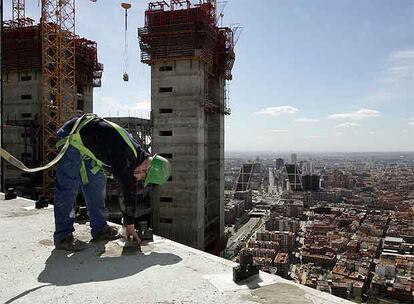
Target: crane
x=58, y=76
x=18, y=10
x=19, y=18
x=221, y=13
x=57, y=25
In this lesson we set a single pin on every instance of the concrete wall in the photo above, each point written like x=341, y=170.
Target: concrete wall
x=194, y=197
x=85, y=105
x=215, y=165
x=16, y=144
x=22, y=95
x=23, y=115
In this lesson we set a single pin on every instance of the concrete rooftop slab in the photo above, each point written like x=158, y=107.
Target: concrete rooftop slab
x=165, y=273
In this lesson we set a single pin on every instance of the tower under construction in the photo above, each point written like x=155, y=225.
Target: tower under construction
x=191, y=59
x=24, y=94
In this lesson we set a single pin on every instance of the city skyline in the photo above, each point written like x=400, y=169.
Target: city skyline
x=329, y=77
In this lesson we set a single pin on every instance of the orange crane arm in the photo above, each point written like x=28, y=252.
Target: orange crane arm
x=58, y=76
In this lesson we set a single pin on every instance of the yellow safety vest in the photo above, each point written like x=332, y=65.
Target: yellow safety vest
x=75, y=140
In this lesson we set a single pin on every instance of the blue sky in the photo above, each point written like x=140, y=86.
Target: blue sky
x=309, y=75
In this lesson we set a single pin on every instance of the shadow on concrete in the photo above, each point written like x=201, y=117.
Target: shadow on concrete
x=25, y=293
x=63, y=268
x=252, y=282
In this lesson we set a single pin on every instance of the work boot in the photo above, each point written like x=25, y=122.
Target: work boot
x=109, y=233
x=70, y=243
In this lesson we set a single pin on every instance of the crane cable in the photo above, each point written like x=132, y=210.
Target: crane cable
x=126, y=6
x=126, y=45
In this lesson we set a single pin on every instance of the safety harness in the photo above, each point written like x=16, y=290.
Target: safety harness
x=75, y=140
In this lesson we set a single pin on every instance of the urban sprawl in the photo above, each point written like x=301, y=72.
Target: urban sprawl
x=340, y=224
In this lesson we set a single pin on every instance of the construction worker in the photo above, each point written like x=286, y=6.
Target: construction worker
x=97, y=144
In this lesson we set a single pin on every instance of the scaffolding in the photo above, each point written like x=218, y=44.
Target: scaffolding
x=181, y=30
x=88, y=69
x=22, y=50
x=22, y=47
x=178, y=30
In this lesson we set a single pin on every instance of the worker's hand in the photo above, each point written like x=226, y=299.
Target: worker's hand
x=130, y=230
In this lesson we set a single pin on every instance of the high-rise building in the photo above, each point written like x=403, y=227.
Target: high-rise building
x=191, y=58
x=271, y=181
x=279, y=163
x=307, y=168
x=310, y=182
x=293, y=175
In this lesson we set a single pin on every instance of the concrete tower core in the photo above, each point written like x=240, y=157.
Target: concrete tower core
x=191, y=59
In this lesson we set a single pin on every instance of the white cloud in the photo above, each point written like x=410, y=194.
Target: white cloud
x=411, y=123
x=278, y=111
x=307, y=120
x=401, y=66
x=356, y=115
x=403, y=56
x=279, y=131
x=347, y=125
x=317, y=136
x=396, y=78
x=372, y=132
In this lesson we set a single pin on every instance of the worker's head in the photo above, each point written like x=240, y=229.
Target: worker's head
x=140, y=172
x=154, y=170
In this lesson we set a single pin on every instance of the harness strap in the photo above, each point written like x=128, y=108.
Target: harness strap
x=18, y=164
x=124, y=135
x=75, y=140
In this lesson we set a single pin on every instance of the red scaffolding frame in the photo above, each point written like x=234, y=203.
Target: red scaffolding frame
x=179, y=29
x=22, y=50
